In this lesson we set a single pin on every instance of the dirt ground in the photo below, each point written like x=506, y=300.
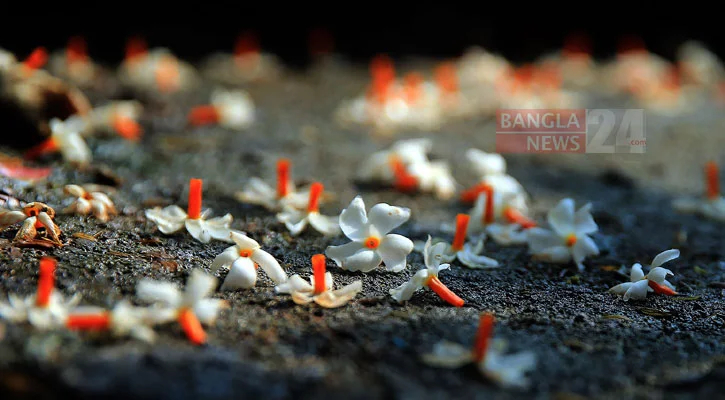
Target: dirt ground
x=589, y=343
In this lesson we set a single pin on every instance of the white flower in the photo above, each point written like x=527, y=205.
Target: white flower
x=46, y=309
x=380, y=166
x=713, y=204
x=242, y=259
x=434, y=176
x=230, y=109
x=508, y=370
x=569, y=239
x=120, y=117
x=491, y=168
x=87, y=201
x=319, y=289
x=371, y=244
x=258, y=192
x=172, y=219
x=495, y=214
x=296, y=221
x=190, y=308
x=123, y=320
x=32, y=215
x=157, y=70
x=654, y=281
x=433, y=255
x=468, y=254
x=7, y=61
x=66, y=138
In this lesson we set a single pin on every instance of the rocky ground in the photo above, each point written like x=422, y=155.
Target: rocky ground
x=589, y=343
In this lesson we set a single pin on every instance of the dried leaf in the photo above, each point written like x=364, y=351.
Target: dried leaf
x=653, y=312
x=81, y=235
x=609, y=268
x=615, y=316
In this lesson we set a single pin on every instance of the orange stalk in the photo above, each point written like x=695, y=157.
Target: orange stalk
x=383, y=76
x=313, y=205
x=47, y=146
x=89, y=322
x=36, y=59
x=471, y=194
x=126, y=127
x=204, y=115
x=283, y=180
x=318, y=272
x=461, y=227
x=445, y=76
x=413, y=87
x=443, y=292
x=661, y=289
x=483, y=337
x=488, y=213
x=192, y=327
x=46, y=282
x=404, y=181
x=247, y=44
x=194, y=207
x=514, y=216
x=135, y=48
x=713, y=180
x=76, y=51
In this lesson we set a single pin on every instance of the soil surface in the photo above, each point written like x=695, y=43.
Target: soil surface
x=589, y=343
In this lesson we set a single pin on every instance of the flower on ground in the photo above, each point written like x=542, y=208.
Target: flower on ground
x=243, y=259
x=38, y=226
x=74, y=63
x=319, y=289
x=495, y=214
x=123, y=320
x=46, y=309
x=66, y=138
x=172, y=219
x=371, y=244
x=87, y=202
x=507, y=370
x=569, y=240
x=713, y=204
x=120, y=117
x=230, y=109
x=296, y=221
x=654, y=281
x=433, y=255
x=491, y=168
x=434, y=177
x=189, y=308
x=260, y=193
x=469, y=254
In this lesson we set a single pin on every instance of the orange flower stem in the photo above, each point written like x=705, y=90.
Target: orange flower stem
x=318, y=272
x=471, y=194
x=127, y=128
x=203, y=115
x=661, y=289
x=460, y=237
x=483, y=337
x=283, y=180
x=192, y=327
x=713, y=180
x=46, y=282
x=488, y=214
x=194, y=207
x=313, y=205
x=47, y=146
x=514, y=216
x=444, y=293
x=89, y=322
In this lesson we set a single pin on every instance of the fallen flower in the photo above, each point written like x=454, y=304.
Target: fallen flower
x=468, y=254
x=495, y=214
x=243, y=259
x=371, y=244
x=508, y=370
x=230, y=109
x=491, y=168
x=172, y=218
x=654, y=281
x=258, y=192
x=66, y=138
x=435, y=177
x=319, y=289
x=428, y=277
x=713, y=204
x=190, y=308
x=569, y=239
x=87, y=202
x=38, y=225
x=296, y=221
x=120, y=117
x=123, y=320
x=46, y=309
x=383, y=165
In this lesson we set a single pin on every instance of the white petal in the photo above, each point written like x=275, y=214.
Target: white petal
x=584, y=222
x=405, y=291
x=198, y=286
x=637, y=291
x=339, y=253
x=540, y=239
x=74, y=190
x=448, y=355
x=636, y=274
x=476, y=261
x=354, y=220
x=561, y=217
x=658, y=275
x=73, y=148
x=434, y=255
x=622, y=288
x=295, y=283
x=258, y=192
x=665, y=256
x=508, y=370
x=385, y=217
x=207, y=309
x=339, y=297
x=225, y=259
x=242, y=275
x=394, y=250
x=294, y=220
x=269, y=265
x=364, y=260
x=243, y=241
x=156, y=291
x=556, y=254
x=169, y=220
x=328, y=226
x=506, y=235
x=219, y=229
x=198, y=229
x=583, y=248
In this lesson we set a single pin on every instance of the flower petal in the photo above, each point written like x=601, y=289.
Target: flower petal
x=540, y=239
x=584, y=222
x=508, y=370
x=394, y=250
x=243, y=241
x=476, y=261
x=242, y=275
x=339, y=297
x=339, y=253
x=583, y=248
x=198, y=286
x=208, y=309
x=405, y=291
x=637, y=291
x=169, y=220
x=561, y=217
x=219, y=229
x=197, y=228
x=556, y=254
x=621, y=289
x=447, y=354
x=269, y=265
x=665, y=256
x=328, y=226
x=354, y=220
x=150, y=290
x=294, y=220
x=364, y=260
x=636, y=273
x=295, y=283
x=385, y=217
x=658, y=275
x=225, y=259
x=258, y=192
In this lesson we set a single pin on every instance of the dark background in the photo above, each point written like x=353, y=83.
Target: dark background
x=519, y=31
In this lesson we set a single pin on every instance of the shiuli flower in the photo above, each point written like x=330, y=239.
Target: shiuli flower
x=88, y=201
x=507, y=370
x=654, y=281
x=285, y=195
x=65, y=138
x=38, y=228
x=433, y=177
x=172, y=219
x=190, y=308
x=491, y=169
x=713, y=204
x=46, y=309
x=569, y=240
x=74, y=63
x=243, y=259
x=371, y=244
x=433, y=256
x=123, y=320
x=385, y=164
x=120, y=117
x=229, y=109
x=495, y=214
x=296, y=221
x=469, y=254
x=319, y=289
